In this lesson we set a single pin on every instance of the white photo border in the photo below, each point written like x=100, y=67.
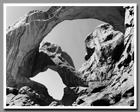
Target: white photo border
x=70, y=107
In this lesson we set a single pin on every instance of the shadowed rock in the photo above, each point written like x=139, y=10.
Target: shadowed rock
x=26, y=97
x=63, y=64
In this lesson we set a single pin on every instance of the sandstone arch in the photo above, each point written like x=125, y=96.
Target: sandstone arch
x=24, y=37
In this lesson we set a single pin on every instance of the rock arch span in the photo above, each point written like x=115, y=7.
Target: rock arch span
x=25, y=60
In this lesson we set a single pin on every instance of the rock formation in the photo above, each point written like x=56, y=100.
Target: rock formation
x=63, y=64
x=109, y=69
x=107, y=46
x=107, y=76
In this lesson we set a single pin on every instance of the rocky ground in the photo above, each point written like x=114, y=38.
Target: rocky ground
x=106, y=78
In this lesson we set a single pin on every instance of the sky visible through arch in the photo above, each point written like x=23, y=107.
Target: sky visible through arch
x=69, y=34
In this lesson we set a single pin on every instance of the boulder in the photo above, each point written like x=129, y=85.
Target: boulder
x=26, y=97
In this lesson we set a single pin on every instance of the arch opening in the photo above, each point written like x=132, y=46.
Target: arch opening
x=69, y=35
x=52, y=81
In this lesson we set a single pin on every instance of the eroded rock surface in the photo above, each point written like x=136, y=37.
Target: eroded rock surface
x=63, y=64
x=111, y=79
x=107, y=76
x=107, y=46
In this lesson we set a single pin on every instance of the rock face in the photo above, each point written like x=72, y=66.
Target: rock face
x=109, y=66
x=107, y=76
x=104, y=48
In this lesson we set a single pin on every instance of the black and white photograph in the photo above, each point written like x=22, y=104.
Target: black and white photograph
x=70, y=56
